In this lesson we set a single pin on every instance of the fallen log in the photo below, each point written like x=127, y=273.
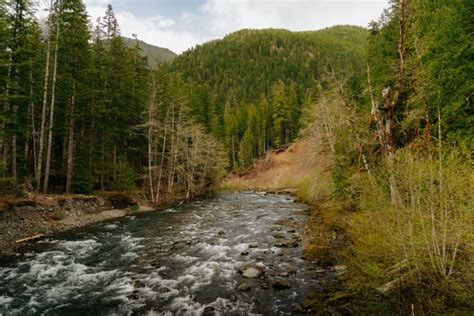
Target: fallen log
x=32, y=238
x=393, y=284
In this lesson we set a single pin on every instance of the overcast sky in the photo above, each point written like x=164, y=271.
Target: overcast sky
x=181, y=24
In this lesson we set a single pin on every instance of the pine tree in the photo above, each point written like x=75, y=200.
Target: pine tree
x=75, y=60
x=281, y=112
x=21, y=42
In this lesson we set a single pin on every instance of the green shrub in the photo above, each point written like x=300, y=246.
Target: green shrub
x=428, y=225
x=123, y=176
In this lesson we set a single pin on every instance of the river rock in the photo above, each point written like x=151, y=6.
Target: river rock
x=278, y=236
x=253, y=246
x=265, y=286
x=287, y=244
x=221, y=232
x=291, y=231
x=209, y=310
x=164, y=290
x=281, y=284
x=340, y=267
x=251, y=272
x=244, y=253
x=285, y=222
x=244, y=287
x=291, y=244
x=288, y=268
x=297, y=308
x=284, y=274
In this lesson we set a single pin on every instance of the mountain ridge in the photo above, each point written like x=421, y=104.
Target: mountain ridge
x=155, y=54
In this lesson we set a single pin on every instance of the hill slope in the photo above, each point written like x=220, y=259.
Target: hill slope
x=247, y=62
x=250, y=88
x=155, y=54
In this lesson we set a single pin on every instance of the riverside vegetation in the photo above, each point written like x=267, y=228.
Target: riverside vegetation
x=386, y=111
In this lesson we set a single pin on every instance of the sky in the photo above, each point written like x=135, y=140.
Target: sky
x=182, y=24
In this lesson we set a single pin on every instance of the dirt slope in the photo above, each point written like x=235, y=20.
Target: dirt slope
x=282, y=169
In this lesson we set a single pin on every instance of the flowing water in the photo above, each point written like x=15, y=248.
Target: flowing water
x=182, y=260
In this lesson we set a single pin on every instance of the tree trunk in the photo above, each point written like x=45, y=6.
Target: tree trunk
x=33, y=123
x=70, y=151
x=39, y=164
x=233, y=152
x=150, y=137
x=158, y=189
x=51, y=113
x=14, y=159
x=171, y=164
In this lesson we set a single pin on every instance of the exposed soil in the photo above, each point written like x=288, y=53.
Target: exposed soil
x=279, y=169
x=40, y=215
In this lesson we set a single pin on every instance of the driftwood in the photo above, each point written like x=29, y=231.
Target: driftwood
x=32, y=238
x=394, y=284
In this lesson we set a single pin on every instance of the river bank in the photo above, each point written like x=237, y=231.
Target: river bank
x=39, y=216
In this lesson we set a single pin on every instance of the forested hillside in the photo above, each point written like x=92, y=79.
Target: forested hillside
x=82, y=110
x=250, y=88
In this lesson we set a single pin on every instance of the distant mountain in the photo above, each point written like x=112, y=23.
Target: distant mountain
x=155, y=54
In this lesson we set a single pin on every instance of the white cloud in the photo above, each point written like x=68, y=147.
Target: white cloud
x=154, y=29
x=216, y=18
x=230, y=15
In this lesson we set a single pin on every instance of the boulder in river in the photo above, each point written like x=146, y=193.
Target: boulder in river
x=251, y=272
x=253, y=246
x=209, y=310
x=287, y=244
x=244, y=253
x=281, y=284
x=244, y=287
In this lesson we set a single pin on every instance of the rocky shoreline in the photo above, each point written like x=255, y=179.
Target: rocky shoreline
x=28, y=219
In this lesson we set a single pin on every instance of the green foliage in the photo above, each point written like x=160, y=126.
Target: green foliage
x=123, y=177
x=429, y=227
x=101, y=95
x=438, y=65
x=155, y=55
x=248, y=89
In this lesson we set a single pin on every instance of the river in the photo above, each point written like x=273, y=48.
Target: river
x=182, y=260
